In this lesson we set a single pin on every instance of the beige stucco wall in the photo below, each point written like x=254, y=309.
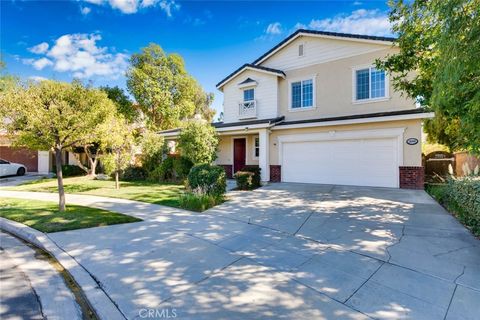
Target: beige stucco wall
x=334, y=84
x=225, y=149
x=412, y=155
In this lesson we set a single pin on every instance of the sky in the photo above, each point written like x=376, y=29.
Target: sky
x=93, y=39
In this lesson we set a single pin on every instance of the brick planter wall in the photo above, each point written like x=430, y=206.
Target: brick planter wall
x=228, y=170
x=412, y=177
x=275, y=173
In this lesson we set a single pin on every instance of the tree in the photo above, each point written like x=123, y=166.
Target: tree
x=438, y=65
x=119, y=146
x=54, y=115
x=198, y=142
x=165, y=92
x=203, y=101
x=153, y=149
x=124, y=105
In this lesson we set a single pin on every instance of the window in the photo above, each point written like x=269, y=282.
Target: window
x=257, y=147
x=370, y=84
x=302, y=94
x=248, y=95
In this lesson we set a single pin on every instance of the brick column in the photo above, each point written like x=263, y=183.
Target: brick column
x=275, y=173
x=412, y=177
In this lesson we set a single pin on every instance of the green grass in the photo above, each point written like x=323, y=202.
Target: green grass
x=164, y=194
x=44, y=216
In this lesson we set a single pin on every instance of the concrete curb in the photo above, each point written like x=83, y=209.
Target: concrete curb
x=98, y=299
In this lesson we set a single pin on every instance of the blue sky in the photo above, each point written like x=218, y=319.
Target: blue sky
x=93, y=39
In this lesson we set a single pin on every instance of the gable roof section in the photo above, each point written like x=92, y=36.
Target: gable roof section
x=326, y=34
x=300, y=32
x=250, y=66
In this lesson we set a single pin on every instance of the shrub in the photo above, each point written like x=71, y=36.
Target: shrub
x=197, y=201
x=198, y=142
x=70, y=170
x=172, y=169
x=244, y=180
x=153, y=149
x=211, y=179
x=256, y=178
x=461, y=196
x=133, y=173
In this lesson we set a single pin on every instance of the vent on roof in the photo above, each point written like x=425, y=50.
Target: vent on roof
x=301, y=50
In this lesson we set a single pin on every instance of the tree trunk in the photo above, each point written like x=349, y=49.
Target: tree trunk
x=117, y=183
x=61, y=190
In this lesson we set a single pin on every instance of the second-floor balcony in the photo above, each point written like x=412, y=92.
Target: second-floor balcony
x=247, y=109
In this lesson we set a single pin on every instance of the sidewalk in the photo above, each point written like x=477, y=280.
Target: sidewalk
x=31, y=287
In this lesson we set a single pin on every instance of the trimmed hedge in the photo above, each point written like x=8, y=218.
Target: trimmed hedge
x=244, y=180
x=461, y=196
x=133, y=173
x=210, y=179
x=70, y=170
x=256, y=179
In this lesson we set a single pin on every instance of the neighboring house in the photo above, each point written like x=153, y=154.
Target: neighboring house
x=314, y=109
x=35, y=161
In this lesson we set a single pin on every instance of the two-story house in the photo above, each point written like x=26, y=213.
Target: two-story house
x=314, y=109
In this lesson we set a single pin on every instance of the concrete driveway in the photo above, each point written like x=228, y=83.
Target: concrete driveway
x=289, y=251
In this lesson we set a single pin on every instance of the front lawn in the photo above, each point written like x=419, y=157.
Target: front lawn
x=164, y=194
x=44, y=216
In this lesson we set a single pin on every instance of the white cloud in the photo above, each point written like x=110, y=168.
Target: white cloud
x=132, y=6
x=85, y=10
x=357, y=3
x=37, y=78
x=41, y=63
x=274, y=28
x=80, y=55
x=39, y=48
x=362, y=21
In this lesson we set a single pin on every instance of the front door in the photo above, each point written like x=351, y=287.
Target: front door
x=239, y=153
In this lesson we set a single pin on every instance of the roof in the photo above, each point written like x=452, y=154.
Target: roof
x=251, y=66
x=291, y=37
x=358, y=116
x=248, y=123
x=301, y=32
x=248, y=80
x=279, y=121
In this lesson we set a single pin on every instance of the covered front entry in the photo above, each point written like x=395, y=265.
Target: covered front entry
x=368, y=161
x=239, y=153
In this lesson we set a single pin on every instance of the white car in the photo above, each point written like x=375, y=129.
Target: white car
x=8, y=168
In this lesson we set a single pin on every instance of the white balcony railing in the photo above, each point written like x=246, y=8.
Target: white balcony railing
x=247, y=109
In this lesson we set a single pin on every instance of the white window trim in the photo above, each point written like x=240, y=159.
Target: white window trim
x=255, y=147
x=243, y=94
x=314, y=88
x=369, y=100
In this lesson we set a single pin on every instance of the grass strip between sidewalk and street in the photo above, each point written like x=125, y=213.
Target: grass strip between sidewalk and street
x=44, y=215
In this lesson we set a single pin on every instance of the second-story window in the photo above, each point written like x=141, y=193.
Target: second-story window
x=370, y=84
x=302, y=94
x=248, y=95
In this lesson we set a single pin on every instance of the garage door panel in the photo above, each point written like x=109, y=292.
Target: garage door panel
x=370, y=162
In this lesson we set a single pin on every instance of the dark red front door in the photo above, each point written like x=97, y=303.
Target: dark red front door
x=239, y=149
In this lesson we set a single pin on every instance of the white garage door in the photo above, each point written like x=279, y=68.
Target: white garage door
x=362, y=162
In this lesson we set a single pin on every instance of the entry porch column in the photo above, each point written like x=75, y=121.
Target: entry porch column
x=264, y=156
